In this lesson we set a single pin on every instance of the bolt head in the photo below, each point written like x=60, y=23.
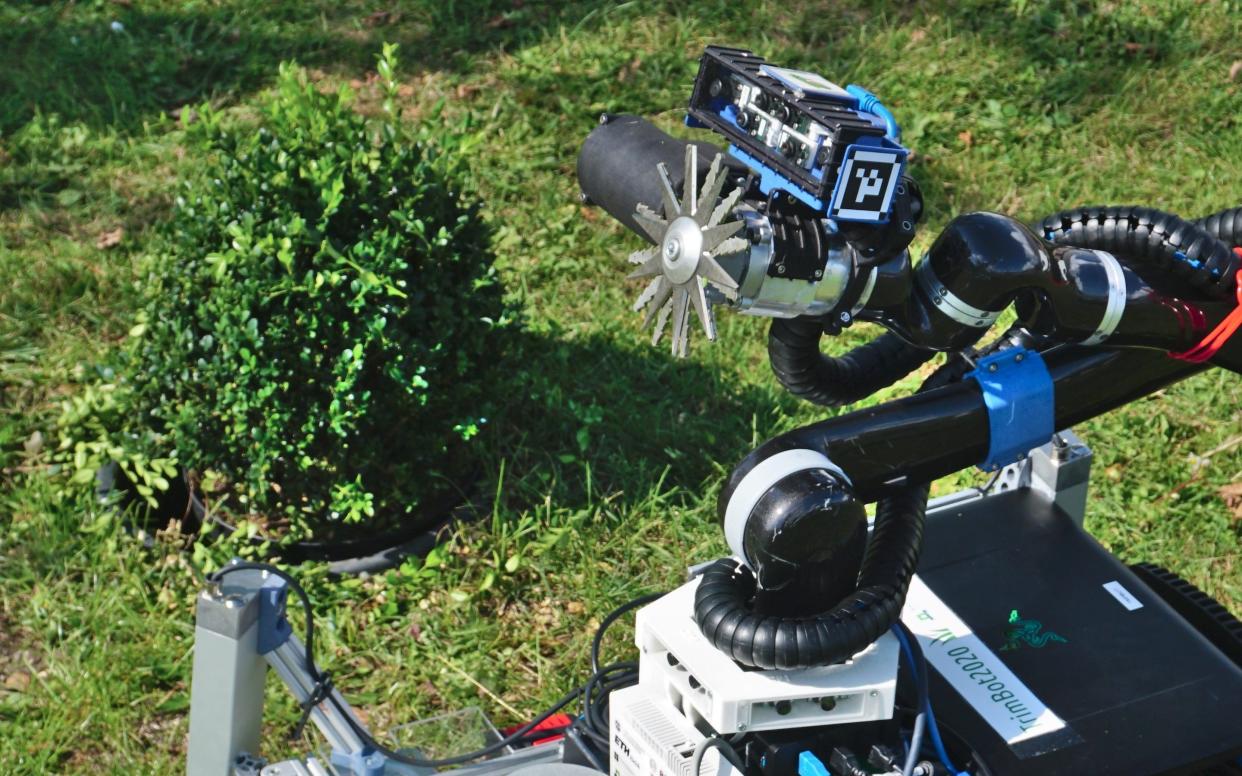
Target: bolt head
x=672, y=249
x=680, y=250
x=992, y=367
x=846, y=318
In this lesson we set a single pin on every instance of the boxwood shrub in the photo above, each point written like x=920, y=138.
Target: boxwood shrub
x=321, y=321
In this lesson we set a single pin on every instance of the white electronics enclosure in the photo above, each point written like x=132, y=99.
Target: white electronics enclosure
x=680, y=668
x=650, y=738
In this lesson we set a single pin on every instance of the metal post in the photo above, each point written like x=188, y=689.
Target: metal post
x=226, y=700
x=1060, y=472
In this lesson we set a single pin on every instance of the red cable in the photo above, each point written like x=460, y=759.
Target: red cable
x=1216, y=339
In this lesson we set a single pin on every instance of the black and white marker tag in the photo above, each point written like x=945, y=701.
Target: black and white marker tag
x=864, y=190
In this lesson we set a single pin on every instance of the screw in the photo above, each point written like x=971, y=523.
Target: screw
x=783, y=707
x=741, y=726
x=906, y=226
x=901, y=190
x=827, y=703
x=780, y=268
x=1018, y=358
x=819, y=273
x=992, y=367
x=672, y=249
x=875, y=693
x=846, y=318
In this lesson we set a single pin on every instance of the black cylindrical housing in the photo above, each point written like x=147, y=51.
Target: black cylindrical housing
x=988, y=261
x=617, y=166
x=932, y=434
x=804, y=539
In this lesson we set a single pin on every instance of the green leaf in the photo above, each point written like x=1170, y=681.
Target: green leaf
x=68, y=197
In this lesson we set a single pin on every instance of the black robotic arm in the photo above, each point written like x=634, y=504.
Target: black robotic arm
x=824, y=213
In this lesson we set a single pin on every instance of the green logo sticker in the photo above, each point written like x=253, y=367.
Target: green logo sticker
x=1028, y=632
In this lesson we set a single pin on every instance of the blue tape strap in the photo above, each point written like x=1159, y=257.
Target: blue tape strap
x=1018, y=393
x=810, y=765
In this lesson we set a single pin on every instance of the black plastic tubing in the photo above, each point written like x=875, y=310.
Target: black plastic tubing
x=723, y=610
x=1195, y=252
x=793, y=350
x=1226, y=226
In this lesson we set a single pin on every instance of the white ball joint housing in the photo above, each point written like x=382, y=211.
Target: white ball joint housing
x=758, y=481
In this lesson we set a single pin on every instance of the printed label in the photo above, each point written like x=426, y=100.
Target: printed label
x=1000, y=697
x=1125, y=597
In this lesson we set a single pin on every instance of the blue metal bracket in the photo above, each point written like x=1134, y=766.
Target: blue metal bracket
x=274, y=627
x=1017, y=390
x=810, y=765
x=771, y=180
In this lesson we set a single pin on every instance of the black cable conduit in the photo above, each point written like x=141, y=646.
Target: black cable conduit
x=1226, y=226
x=793, y=351
x=1194, y=252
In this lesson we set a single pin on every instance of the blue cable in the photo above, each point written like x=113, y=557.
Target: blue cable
x=900, y=631
x=869, y=103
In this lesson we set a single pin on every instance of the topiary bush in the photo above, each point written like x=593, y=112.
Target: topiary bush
x=320, y=322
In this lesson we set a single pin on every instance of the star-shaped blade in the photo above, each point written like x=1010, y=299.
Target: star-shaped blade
x=666, y=303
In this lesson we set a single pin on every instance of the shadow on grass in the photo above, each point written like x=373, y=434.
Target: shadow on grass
x=121, y=65
x=638, y=418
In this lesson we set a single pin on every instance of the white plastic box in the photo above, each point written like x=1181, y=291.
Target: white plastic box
x=680, y=666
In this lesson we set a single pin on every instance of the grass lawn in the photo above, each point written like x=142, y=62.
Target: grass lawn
x=601, y=475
